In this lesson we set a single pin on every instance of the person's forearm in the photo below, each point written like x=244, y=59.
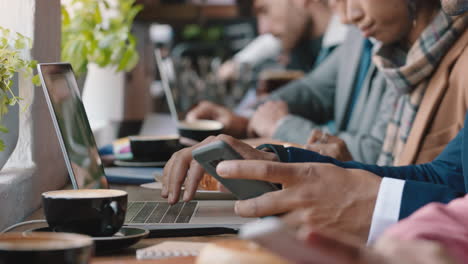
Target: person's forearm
x=294, y=129
x=437, y=222
x=313, y=97
x=305, y=101
x=425, y=172
x=296, y=155
x=363, y=147
x=445, y=170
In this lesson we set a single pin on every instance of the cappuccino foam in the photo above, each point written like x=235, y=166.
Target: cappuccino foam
x=84, y=193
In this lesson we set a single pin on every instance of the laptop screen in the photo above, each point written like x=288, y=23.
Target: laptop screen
x=72, y=127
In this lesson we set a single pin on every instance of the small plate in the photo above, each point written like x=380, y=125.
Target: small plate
x=130, y=163
x=126, y=237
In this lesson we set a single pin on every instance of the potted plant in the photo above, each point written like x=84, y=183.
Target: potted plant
x=13, y=60
x=97, y=41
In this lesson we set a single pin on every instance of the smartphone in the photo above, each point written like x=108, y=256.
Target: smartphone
x=272, y=234
x=209, y=156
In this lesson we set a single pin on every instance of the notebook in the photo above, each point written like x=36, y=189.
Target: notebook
x=170, y=249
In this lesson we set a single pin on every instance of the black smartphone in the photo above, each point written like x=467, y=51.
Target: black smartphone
x=209, y=156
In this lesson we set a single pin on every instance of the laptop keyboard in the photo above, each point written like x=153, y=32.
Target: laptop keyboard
x=159, y=212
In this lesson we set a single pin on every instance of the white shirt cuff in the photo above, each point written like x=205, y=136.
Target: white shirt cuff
x=387, y=207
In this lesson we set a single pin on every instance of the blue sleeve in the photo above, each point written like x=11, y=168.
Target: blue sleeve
x=446, y=169
x=418, y=194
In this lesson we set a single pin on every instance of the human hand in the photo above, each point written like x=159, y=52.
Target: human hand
x=340, y=249
x=412, y=251
x=228, y=71
x=234, y=125
x=265, y=120
x=328, y=145
x=182, y=168
x=321, y=194
x=334, y=248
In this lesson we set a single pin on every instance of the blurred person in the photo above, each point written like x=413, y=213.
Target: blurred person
x=298, y=24
x=269, y=46
x=262, y=48
x=352, y=197
x=426, y=88
x=446, y=224
x=436, y=233
x=334, y=249
x=291, y=28
x=340, y=97
x=295, y=36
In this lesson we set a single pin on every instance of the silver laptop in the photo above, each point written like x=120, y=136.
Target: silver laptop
x=86, y=171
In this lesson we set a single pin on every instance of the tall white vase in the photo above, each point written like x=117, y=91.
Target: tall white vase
x=10, y=121
x=103, y=95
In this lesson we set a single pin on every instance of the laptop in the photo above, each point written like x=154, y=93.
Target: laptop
x=87, y=172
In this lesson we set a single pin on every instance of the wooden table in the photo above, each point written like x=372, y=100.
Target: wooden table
x=128, y=256
x=186, y=260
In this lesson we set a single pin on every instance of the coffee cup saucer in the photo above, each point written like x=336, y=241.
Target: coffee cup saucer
x=124, y=238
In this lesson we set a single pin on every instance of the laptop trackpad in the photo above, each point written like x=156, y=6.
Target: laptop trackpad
x=221, y=214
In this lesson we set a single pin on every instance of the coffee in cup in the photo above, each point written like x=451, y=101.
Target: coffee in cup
x=94, y=212
x=45, y=248
x=157, y=148
x=200, y=129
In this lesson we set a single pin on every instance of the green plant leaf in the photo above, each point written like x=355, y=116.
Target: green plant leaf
x=2, y=145
x=87, y=38
x=4, y=129
x=20, y=44
x=65, y=17
x=12, y=45
x=133, y=12
x=36, y=80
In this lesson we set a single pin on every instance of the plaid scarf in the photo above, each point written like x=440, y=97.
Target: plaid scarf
x=409, y=74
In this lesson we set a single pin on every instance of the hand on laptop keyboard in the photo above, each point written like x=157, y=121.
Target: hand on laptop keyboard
x=159, y=212
x=181, y=168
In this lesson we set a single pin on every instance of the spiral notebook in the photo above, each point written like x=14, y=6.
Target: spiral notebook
x=170, y=249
